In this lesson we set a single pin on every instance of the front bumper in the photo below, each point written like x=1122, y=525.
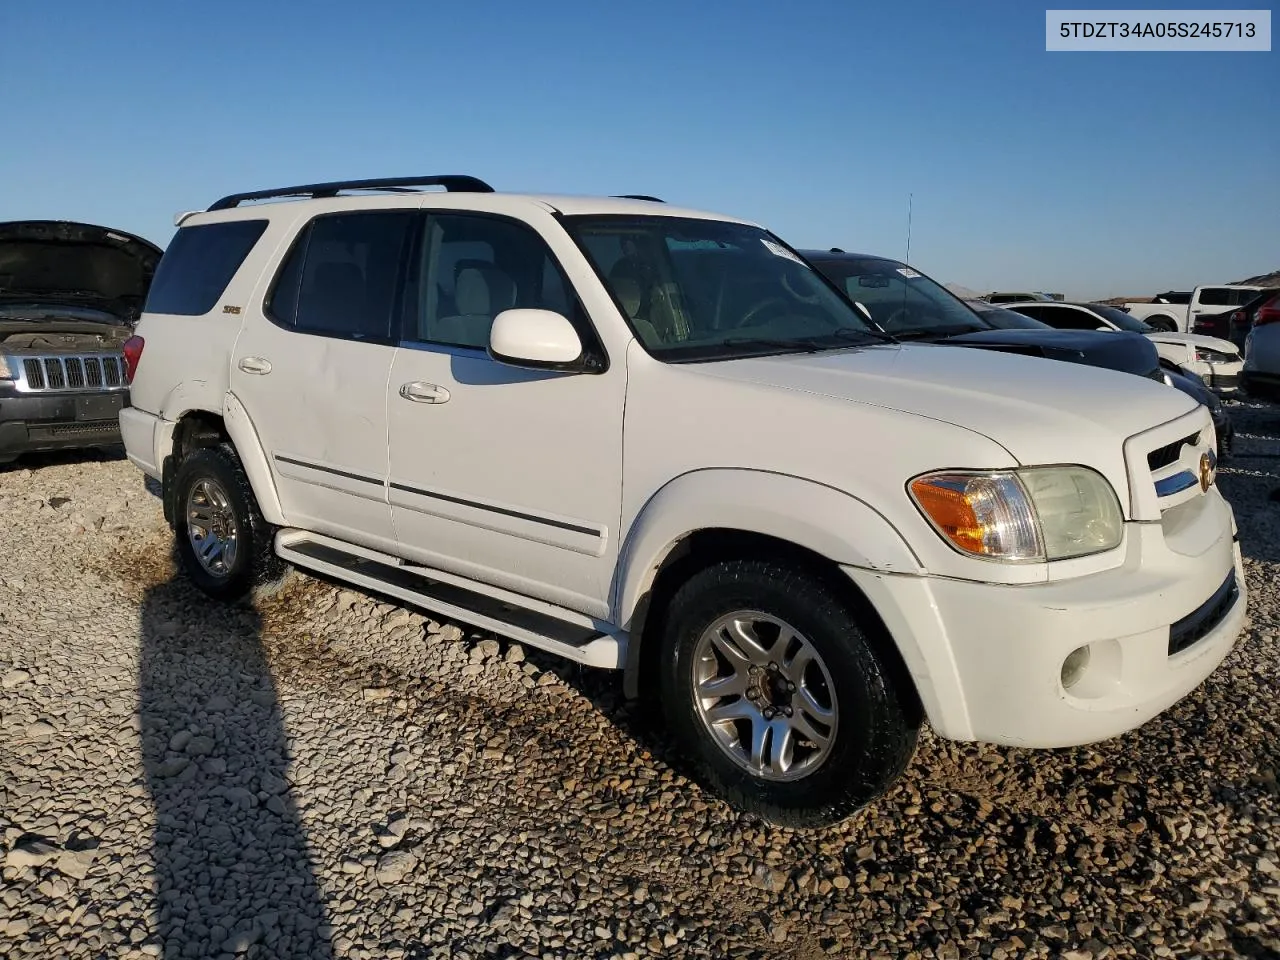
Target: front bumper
x=987, y=659
x=51, y=421
x=1221, y=378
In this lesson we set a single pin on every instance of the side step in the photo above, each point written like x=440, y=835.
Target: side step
x=565, y=633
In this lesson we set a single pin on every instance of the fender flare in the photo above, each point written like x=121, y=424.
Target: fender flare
x=830, y=522
x=253, y=458
x=244, y=436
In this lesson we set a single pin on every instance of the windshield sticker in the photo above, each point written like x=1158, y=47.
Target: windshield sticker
x=780, y=251
x=908, y=273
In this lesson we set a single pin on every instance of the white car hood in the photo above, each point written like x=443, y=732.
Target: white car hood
x=1194, y=340
x=1041, y=411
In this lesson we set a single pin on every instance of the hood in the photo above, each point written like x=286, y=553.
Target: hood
x=49, y=265
x=1039, y=411
x=1194, y=340
x=1125, y=352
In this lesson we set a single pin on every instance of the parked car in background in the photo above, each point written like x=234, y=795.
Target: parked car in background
x=1241, y=320
x=998, y=296
x=657, y=440
x=1261, y=377
x=1215, y=361
x=69, y=294
x=911, y=306
x=1137, y=359
x=1170, y=313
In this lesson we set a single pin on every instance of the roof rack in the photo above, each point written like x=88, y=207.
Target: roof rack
x=638, y=196
x=454, y=183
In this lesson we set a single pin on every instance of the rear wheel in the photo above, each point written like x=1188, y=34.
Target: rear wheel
x=783, y=703
x=223, y=540
x=1163, y=324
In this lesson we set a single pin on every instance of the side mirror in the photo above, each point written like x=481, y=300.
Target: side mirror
x=535, y=340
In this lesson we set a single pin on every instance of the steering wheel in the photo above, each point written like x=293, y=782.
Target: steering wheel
x=786, y=282
x=750, y=315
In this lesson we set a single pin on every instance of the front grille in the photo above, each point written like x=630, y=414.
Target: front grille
x=1223, y=381
x=1162, y=457
x=90, y=372
x=53, y=374
x=33, y=370
x=1198, y=624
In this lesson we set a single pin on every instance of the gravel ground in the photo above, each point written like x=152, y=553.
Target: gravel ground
x=327, y=775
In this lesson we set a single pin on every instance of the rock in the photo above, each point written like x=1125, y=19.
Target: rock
x=515, y=654
x=270, y=783
x=76, y=863
x=31, y=853
x=263, y=698
x=172, y=766
x=40, y=730
x=217, y=704
x=394, y=866
x=200, y=746
x=14, y=678
x=1265, y=865
x=377, y=693
x=840, y=882
x=179, y=741
x=242, y=941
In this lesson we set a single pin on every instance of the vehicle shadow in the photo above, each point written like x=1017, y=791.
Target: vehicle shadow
x=34, y=461
x=231, y=859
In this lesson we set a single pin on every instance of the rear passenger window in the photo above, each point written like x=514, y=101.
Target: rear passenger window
x=198, y=264
x=342, y=277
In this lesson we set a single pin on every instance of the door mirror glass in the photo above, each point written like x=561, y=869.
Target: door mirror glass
x=535, y=339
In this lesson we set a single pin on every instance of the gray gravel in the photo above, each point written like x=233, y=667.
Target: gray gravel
x=324, y=774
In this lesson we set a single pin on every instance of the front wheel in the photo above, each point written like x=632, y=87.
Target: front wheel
x=780, y=698
x=1162, y=324
x=223, y=540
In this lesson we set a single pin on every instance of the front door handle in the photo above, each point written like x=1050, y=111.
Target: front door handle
x=259, y=365
x=420, y=392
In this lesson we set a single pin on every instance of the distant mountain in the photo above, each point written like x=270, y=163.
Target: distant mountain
x=1266, y=280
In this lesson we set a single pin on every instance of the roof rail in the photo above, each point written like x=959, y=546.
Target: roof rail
x=638, y=196
x=456, y=183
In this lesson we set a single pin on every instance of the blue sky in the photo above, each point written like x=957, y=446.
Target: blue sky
x=1095, y=174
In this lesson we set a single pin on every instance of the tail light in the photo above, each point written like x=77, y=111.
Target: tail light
x=1269, y=313
x=132, y=354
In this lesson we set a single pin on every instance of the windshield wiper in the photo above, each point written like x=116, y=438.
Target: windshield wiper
x=923, y=333
x=798, y=345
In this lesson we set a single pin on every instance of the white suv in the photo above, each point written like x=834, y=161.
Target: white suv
x=656, y=440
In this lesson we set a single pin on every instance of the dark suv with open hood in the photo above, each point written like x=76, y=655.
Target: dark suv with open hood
x=69, y=295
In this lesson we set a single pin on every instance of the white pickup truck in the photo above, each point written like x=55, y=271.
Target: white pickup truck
x=658, y=441
x=1177, y=312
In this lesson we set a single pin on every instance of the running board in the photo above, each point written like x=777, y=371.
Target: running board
x=545, y=626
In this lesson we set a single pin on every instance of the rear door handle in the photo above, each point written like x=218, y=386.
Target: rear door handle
x=259, y=365
x=420, y=392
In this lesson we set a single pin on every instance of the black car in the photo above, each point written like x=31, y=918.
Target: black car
x=69, y=295
x=908, y=305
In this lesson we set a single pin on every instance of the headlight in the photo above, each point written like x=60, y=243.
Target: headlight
x=1212, y=356
x=8, y=369
x=1033, y=514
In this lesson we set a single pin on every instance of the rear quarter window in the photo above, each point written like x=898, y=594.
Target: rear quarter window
x=199, y=263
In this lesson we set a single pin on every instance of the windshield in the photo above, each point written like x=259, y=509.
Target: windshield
x=1121, y=319
x=901, y=300
x=697, y=289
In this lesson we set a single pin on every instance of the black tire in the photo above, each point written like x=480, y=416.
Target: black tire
x=1163, y=324
x=879, y=718
x=255, y=562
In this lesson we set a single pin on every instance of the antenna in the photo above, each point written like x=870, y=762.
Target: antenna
x=909, y=199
